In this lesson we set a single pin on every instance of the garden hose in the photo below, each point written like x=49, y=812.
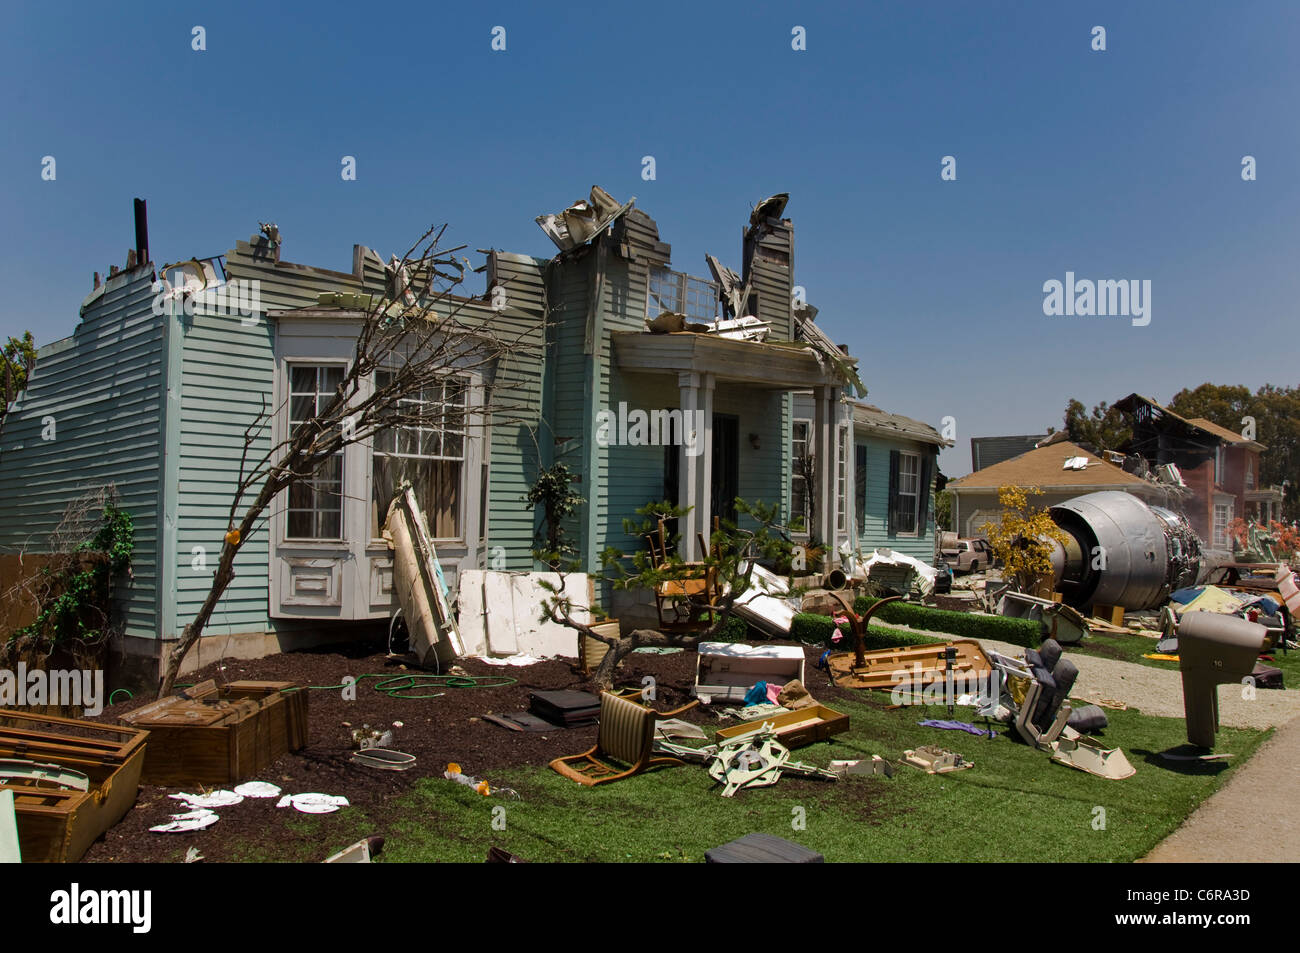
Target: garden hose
x=395, y=686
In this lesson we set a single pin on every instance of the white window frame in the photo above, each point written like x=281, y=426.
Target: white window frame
x=915, y=493
x=342, y=454
x=841, y=480
x=466, y=405
x=794, y=470
x=1220, y=529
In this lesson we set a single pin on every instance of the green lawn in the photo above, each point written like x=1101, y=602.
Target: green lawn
x=1132, y=648
x=1013, y=805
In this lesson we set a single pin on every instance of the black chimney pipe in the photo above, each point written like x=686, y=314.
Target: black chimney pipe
x=141, y=232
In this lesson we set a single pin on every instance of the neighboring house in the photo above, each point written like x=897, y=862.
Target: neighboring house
x=884, y=493
x=975, y=496
x=1219, y=467
x=158, y=401
x=986, y=451
x=1238, y=470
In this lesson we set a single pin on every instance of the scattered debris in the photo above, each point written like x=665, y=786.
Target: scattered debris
x=727, y=670
x=911, y=669
x=677, y=728
x=1086, y=754
x=756, y=759
x=794, y=729
x=362, y=852
x=189, y=821
x=876, y=766
x=419, y=584
x=257, y=789
x=767, y=605
x=1060, y=622
x=498, y=614
x=570, y=709
x=313, y=803
x=454, y=773
x=762, y=849
x=959, y=726
x=523, y=721
x=935, y=760
x=9, y=850
x=213, y=736
x=57, y=824
x=583, y=220
x=385, y=759
x=210, y=800
x=626, y=736
x=192, y=856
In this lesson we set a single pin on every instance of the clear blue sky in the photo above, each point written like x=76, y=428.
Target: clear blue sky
x=1117, y=164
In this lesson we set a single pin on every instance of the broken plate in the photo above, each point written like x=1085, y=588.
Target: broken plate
x=257, y=789
x=211, y=799
x=189, y=821
x=313, y=803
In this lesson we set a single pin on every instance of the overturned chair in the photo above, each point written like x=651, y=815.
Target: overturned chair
x=1035, y=693
x=623, y=746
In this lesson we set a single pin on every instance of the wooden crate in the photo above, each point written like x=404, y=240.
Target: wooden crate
x=58, y=826
x=797, y=728
x=219, y=736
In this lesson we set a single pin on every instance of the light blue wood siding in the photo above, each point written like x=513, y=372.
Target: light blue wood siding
x=225, y=382
x=103, y=387
x=875, y=531
x=517, y=431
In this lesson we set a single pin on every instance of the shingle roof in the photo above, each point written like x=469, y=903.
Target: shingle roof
x=882, y=422
x=1235, y=439
x=1044, y=467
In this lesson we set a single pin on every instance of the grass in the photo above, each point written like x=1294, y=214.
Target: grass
x=1131, y=648
x=1014, y=805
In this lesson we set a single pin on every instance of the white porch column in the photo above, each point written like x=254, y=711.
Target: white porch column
x=695, y=456
x=824, y=427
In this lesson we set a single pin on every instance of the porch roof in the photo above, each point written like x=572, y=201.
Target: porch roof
x=774, y=366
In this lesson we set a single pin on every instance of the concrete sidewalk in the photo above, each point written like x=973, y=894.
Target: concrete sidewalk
x=1251, y=819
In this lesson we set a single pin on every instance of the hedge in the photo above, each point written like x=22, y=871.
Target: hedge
x=818, y=629
x=966, y=625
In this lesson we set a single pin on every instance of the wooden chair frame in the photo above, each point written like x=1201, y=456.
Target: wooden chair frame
x=626, y=735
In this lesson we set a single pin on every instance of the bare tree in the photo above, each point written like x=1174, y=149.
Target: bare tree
x=417, y=335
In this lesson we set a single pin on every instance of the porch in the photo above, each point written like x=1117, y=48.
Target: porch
x=733, y=403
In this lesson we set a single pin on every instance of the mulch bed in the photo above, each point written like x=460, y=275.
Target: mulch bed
x=436, y=731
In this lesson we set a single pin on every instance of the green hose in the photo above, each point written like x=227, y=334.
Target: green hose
x=396, y=686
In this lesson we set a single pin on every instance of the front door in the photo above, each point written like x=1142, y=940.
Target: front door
x=725, y=467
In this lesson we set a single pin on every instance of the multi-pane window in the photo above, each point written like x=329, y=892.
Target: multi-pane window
x=1222, y=517
x=801, y=447
x=909, y=491
x=683, y=294
x=842, y=480
x=315, y=504
x=428, y=450
x=860, y=487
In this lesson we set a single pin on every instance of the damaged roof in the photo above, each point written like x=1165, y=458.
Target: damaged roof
x=1234, y=439
x=1045, y=467
x=875, y=420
